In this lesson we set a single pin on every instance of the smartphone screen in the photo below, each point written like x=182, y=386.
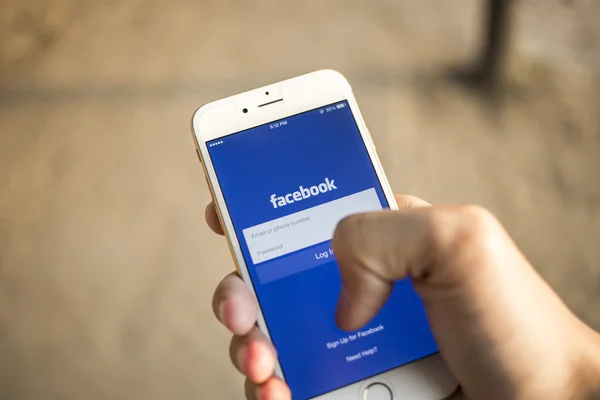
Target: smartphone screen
x=286, y=185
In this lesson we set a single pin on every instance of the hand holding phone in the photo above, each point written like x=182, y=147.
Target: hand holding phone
x=503, y=332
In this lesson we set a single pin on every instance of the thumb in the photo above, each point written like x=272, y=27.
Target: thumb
x=434, y=246
x=492, y=315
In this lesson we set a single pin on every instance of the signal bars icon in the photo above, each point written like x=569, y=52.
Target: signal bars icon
x=215, y=143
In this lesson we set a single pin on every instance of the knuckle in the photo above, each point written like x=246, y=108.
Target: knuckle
x=479, y=219
x=465, y=239
x=469, y=227
x=479, y=229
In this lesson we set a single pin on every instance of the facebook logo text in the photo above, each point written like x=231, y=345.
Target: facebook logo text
x=303, y=193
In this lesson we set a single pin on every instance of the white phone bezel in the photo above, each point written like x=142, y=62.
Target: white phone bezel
x=426, y=379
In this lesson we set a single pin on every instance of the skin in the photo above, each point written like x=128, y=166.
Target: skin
x=500, y=328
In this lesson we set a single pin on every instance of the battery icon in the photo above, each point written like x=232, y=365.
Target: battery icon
x=341, y=105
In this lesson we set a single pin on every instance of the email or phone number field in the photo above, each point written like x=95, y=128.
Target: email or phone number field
x=306, y=228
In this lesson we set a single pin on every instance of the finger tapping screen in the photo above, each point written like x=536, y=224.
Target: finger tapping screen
x=286, y=185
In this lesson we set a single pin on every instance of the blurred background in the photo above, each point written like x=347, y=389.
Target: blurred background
x=106, y=265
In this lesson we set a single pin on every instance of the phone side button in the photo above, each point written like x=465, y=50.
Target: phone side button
x=209, y=188
x=377, y=391
x=198, y=154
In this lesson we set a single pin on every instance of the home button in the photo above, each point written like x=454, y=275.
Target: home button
x=377, y=391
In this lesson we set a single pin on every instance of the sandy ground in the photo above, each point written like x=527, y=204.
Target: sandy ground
x=106, y=266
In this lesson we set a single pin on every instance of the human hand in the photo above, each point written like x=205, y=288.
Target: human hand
x=501, y=330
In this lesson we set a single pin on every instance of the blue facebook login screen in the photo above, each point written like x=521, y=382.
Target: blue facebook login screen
x=286, y=185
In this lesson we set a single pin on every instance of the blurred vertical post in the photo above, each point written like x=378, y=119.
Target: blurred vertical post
x=489, y=67
x=497, y=31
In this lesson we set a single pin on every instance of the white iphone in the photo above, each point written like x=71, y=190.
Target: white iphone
x=285, y=163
